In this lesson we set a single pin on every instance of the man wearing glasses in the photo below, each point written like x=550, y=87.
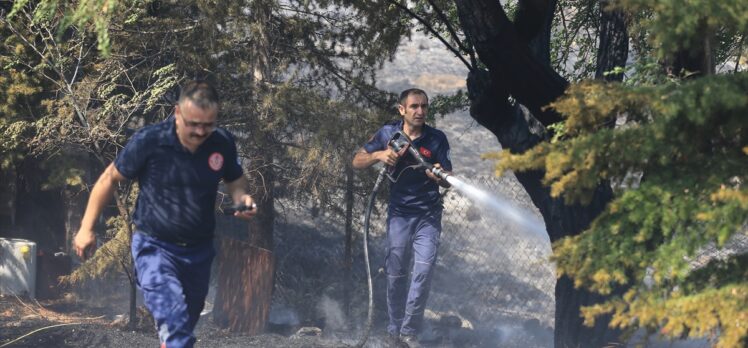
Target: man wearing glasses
x=178, y=164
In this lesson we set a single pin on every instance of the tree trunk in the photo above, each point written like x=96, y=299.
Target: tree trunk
x=246, y=270
x=245, y=275
x=514, y=71
x=511, y=63
x=536, y=19
x=613, y=50
x=696, y=60
x=75, y=205
x=242, y=302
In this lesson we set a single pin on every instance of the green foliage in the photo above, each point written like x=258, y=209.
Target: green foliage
x=110, y=258
x=65, y=174
x=11, y=143
x=689, y=139
x=324, y=133
x=674, y=25
x=657, y=30
x=442, y=105
x=574, y=37
x=97, y=13
x=296, y=80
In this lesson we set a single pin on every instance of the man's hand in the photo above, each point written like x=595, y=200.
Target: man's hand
x=247, y=201
x=437, y=179
x=389, y=156
x=84, y=243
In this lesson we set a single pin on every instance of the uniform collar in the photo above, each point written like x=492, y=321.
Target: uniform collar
x=425, y=130
x=167, y=133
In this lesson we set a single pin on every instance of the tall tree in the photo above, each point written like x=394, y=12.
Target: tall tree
x=296, y=77
x=688, y=138
x=513, y=70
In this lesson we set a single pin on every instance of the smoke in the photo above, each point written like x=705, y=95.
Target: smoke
x=506, y=333
x=283, y=315
x=332, y=313
x=529, y=334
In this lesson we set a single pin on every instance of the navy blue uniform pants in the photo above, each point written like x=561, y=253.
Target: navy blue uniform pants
x=174, y=281
x=409, y=237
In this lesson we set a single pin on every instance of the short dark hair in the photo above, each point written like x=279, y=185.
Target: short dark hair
x=406, y=93
x=200, y=92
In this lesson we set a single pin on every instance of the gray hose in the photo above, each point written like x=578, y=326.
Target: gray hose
x=367, y=216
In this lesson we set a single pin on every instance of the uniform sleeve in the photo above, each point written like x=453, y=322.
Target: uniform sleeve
x=443, y=157
x=377, y=143
x=132, y=159
x=233, y=169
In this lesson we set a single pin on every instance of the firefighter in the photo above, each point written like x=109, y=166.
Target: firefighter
x=414, y=213
x=178, y=164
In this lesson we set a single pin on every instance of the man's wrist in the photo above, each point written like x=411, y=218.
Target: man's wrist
x=86, y=232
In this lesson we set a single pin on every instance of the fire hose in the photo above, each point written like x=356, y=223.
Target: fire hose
x=399, y=142
x=367, y=216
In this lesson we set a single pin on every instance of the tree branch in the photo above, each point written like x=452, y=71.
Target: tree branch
x=432, y=31
x=445, y=20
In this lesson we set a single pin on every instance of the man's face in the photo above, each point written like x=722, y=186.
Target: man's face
x=194, y=124
x=414, y=110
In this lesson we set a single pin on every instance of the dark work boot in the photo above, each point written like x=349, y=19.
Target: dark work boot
x=411, y=341
x=393, y=341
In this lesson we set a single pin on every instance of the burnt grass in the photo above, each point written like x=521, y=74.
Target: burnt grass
x=94, y=315
x=73, y=323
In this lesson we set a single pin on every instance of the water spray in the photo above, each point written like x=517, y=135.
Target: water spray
x=480, y=196
x=504, y=207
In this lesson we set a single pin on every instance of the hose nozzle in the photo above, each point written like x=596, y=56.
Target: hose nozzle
x=400, y=140
x=441, y=173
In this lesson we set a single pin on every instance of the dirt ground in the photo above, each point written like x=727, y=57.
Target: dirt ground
x=71, y=323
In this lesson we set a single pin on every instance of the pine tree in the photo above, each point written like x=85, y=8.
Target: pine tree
x=678, y=162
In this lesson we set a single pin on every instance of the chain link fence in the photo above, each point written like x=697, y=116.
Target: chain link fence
x=502, y=271
x=488, y=272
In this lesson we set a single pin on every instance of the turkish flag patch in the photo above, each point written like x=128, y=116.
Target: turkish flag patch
x=425, y=152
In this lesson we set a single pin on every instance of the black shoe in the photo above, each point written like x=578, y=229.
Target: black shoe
x=411, y=341
x=393, y=341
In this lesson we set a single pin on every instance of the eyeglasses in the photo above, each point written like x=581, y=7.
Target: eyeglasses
x=206, y=126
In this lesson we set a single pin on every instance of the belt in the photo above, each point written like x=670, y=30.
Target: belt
x=179, y=243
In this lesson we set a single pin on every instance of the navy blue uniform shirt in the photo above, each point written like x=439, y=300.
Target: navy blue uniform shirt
x=177, y=195
x=413, y=192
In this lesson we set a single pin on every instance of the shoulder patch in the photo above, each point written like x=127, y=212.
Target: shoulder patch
x=215, y=161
